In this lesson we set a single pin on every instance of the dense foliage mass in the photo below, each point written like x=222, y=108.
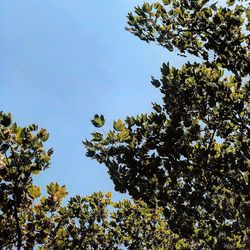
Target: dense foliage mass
x=28, y=219
x=191, y=154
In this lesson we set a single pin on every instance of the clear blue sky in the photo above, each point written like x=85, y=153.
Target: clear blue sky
x=62, y=61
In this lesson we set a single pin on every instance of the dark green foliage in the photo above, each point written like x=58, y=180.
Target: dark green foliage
x=29, y=221
x=191, y=154
x=21, y=156
x=186, y=164
x=98, y=121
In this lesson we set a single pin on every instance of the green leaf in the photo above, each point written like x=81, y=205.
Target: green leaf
x=124, y=135
x=51, y=188
x=50, y=152
x=214, y=6
x=230, y=2
x=5, y=119
x=61, y=192
x=155, y=82
x=36, y=172
x=43, y=135
x=90, y=153
x=157, y=108
x=97, y=136
x=118, y=126
x=130, y=121
x=98, y=121
x=61, y=233
x=165, y=69
x=166, y=2
x=147, y=7
x=34, y=191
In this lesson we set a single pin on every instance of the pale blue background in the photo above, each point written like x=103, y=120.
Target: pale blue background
x=62, y=61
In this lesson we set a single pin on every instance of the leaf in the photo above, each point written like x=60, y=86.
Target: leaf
x=97, y=136
x=90, y=153
x=32, y=127
x=51, y=188
x=43, y=135
x=155, y=82
x=118, y=126
x=36, y=172
x=147, y=7
x=50, y=152
x=230, y=2
x=165, y=69
x=109, y=195
x=98, y=121
x=56, y=191
x=5, y=119
x=157, y=107
x=166, y=2
x=157, y=5
x=124, y=135
x=214, y=6
x=130, y=121
x=34, y=191
x=61, y=192
x=87, y=144
x=61, y=233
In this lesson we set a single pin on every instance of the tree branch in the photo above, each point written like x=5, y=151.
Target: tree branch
x=19, y=233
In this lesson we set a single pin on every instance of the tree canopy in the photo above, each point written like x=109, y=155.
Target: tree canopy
x=191, y=154
x=185, y=165
x=30, y=220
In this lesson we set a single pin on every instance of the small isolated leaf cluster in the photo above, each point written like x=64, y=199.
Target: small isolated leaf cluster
x=98, y=121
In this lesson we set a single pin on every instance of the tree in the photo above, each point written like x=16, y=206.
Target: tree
x=29, y=220
x=191, y=154
x=22, y=155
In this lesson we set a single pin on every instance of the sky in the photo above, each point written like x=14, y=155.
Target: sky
x=64, y=61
